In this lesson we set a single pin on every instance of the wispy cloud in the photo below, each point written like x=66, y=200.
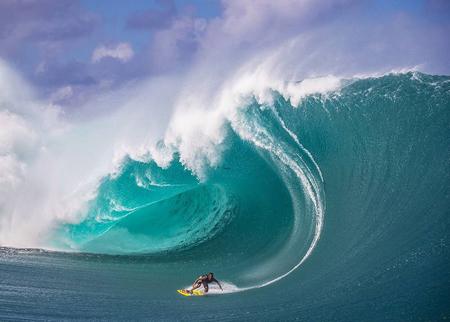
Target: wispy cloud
x=122, y=52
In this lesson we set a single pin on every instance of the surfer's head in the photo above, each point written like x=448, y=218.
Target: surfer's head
x=210, y=275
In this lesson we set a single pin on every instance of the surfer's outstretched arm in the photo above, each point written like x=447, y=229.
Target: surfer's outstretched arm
x=214, y=280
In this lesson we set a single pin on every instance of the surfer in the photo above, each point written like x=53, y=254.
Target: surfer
x=205, y=280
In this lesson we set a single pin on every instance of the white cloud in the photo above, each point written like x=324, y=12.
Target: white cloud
x=62, y=93
x=122, y=51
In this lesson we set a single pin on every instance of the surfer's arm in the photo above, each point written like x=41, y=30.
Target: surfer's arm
x=214, y=280
x=205, y=286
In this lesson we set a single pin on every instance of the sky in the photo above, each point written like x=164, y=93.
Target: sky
x=71, y=49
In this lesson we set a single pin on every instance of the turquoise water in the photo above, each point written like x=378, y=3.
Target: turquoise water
x=336, y=209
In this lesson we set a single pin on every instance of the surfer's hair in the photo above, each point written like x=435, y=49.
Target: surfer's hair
x=212, y=274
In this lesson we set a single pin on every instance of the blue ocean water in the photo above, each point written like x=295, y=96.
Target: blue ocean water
x=336, y=209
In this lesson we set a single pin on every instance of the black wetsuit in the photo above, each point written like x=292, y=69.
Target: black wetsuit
x=203, y=279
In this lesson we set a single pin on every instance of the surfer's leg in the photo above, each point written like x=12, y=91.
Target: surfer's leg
x=195, y=286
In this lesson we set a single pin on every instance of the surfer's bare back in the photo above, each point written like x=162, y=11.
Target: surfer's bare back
x=205, y=280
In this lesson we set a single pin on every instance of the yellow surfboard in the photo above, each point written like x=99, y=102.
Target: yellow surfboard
x=194, y=293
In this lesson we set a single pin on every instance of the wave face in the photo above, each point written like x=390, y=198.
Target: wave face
x=366, y=165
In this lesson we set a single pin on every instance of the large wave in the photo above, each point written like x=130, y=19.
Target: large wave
x=264, y=197
x=243, y=187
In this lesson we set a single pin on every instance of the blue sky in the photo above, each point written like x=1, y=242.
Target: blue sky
x=83, y=46
x=115, y=15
